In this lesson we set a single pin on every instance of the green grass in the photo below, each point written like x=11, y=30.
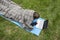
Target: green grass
x=48, y=9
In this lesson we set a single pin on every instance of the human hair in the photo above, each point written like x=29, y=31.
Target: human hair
x=36, y=15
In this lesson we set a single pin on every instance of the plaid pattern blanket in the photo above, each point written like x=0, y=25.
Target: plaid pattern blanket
x=13, y=11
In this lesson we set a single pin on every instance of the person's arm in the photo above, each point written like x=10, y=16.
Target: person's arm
x=27, y=25
x=33, y=23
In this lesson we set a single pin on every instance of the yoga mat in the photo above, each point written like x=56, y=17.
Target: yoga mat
x=36, y=29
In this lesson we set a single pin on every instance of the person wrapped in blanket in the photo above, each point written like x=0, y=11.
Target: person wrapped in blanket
x=17, y=13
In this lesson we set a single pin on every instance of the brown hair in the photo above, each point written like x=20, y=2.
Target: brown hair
x=36, y=15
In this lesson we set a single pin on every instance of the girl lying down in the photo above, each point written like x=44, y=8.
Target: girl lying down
x=17, y=13
x=26, y=19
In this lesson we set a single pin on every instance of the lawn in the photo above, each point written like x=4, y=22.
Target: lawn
x=48, y=9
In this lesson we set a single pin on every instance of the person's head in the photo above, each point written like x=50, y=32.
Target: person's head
x=36, y=15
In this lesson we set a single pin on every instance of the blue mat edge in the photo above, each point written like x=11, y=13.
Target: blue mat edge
x=35, y=30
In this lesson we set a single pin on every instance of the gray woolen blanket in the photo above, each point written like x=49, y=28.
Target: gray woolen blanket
x=13, y=11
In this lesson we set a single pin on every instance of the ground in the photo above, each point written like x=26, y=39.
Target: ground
x=48, y=9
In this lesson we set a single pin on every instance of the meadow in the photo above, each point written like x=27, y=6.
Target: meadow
x=48, y=9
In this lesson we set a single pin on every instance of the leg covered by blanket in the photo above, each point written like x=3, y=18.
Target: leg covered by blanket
x=22, y=17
